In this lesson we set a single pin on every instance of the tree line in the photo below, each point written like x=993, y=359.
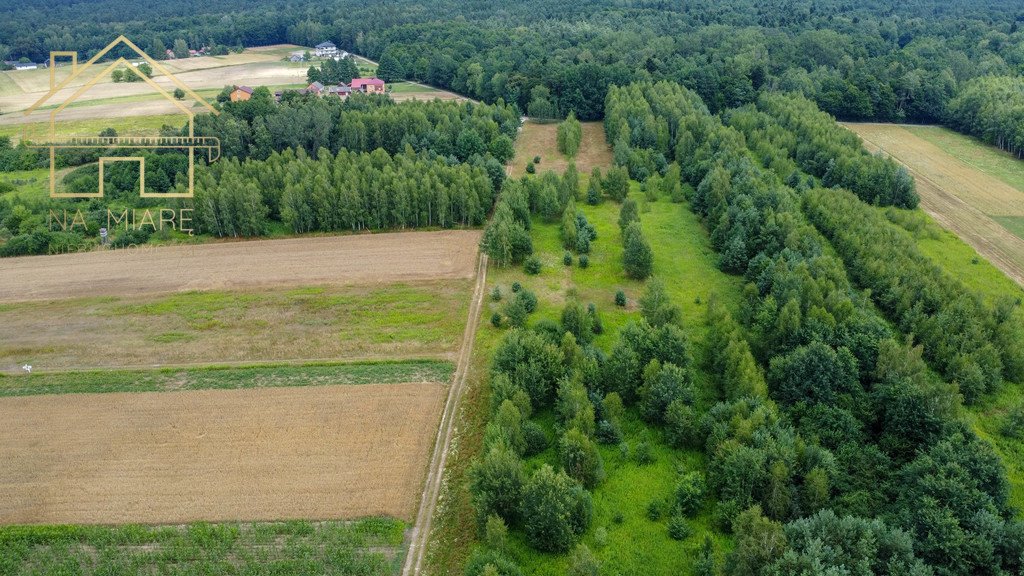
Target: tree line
x=858, y=434
x=361, y=123
x=349, y=191
x=825, y=149
x=857, y=61
x=991, y=108
x=971, y=343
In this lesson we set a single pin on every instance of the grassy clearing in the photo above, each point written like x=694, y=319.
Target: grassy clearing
x=312, y=323
x=226, y=378
x=962, y=261
x=371, y=546
x=411, y=88
x=983, y=157
x=27, y=183
x=986, y=418
x=686, y=263
x=128, y=126
x=542, y=140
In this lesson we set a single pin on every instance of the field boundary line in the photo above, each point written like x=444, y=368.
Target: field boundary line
x=432, y=488
x=991, y=248
x=215, y=365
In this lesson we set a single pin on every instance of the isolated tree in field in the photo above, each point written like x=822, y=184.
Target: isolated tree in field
x=569, y=230
x=555, y=510
x=569, y=135
x=704, y=565
x=584, y=563
x=515, y=311
x=577, y=322
x=179, y=94
x=690, y=493
x=180, y=48
x=117, y=75
x=569, y=187
x=637, y=258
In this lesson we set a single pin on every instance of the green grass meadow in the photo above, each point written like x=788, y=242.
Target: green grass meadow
x=226, y=378
x=370, y=546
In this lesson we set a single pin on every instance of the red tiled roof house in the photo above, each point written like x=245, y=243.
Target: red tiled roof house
x=368, y=85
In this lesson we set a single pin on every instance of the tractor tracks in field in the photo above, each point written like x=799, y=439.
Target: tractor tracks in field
x=420, y=533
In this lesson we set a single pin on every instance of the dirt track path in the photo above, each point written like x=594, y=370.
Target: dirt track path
x=939, y=177
x=428, y=502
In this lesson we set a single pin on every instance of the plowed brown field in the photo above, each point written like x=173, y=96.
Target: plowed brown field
x=319, y=452
x=356, y=259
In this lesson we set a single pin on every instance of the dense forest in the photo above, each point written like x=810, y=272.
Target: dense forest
x=832, y=443
x=887, y=61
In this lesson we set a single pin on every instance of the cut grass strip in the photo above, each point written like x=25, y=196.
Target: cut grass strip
x=221, y=378
x=371, y=546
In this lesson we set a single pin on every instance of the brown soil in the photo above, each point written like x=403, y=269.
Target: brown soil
x=956, y=195
x=324, y=452
x=356, y=259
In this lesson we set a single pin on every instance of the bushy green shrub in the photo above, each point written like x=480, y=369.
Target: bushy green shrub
x=532, y=266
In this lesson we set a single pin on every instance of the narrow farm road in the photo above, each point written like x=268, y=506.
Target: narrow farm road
x=428, y=500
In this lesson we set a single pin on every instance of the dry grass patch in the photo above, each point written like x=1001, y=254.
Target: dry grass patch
x=542, y=140
x=325, y=452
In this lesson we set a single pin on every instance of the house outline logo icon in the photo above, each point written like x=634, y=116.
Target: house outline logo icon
x=189, y=143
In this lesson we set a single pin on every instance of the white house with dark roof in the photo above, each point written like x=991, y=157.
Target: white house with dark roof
x=326, y=50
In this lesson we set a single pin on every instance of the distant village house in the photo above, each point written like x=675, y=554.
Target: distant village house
x=241, y=94
x=326, y=50
x=18, y=65
x=341, y=90
x=368, y=85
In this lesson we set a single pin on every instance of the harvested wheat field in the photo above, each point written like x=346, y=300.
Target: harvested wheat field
x=542, y=140
x=322, y=452
x=960, y=197
x=349, y=260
